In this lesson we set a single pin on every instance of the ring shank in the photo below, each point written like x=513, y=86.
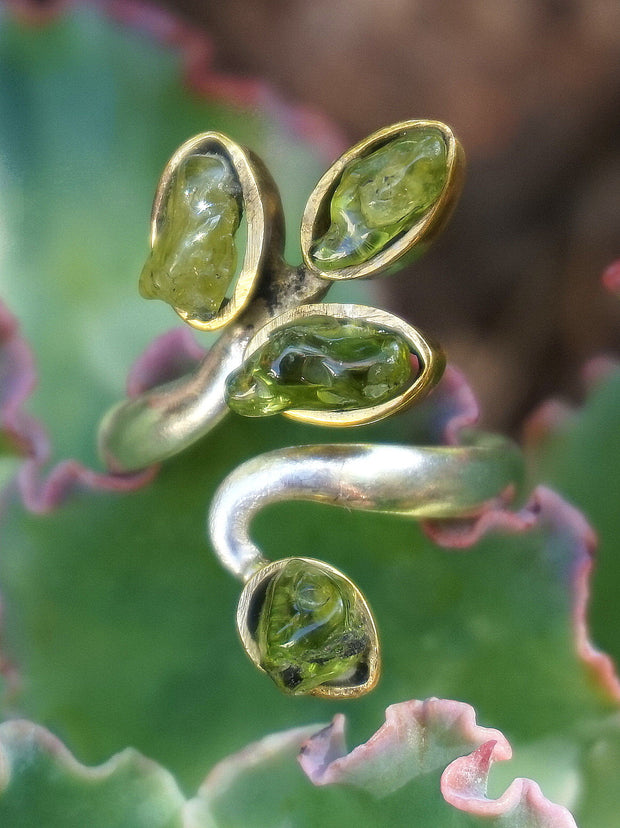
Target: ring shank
x=420, y=482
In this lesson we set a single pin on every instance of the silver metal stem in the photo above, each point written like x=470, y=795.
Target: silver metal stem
x=421, y=482
x=165, y=420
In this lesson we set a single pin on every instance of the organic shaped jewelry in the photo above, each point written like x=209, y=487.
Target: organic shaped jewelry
x=301, y=621
x=309, y=628
x=331, y=364
x=378, y=206
x=209, y=185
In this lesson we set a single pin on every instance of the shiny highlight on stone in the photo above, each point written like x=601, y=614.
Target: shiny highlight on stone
x=311, y=630
x=382, y=195
x=193, y=260
x=321, y=363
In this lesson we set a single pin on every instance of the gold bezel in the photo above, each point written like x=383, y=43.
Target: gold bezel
x=316, y=214
x=244, y=607
x=431, y=358
x=257, y=195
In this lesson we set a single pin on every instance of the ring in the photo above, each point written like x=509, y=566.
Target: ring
x=300, y=620
x=376, y=208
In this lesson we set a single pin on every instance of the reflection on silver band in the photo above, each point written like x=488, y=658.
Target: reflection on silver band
x=421, y=482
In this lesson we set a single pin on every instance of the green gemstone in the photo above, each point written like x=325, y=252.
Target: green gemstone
x=312, y=630
x=193, y=261
x=321, y=363
x=381, y=196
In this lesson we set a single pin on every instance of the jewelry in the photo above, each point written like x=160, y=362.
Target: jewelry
x=376, y=208
x=302, y=621
x=369, y=378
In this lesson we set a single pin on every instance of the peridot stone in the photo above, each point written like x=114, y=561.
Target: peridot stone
x=381, y=196
x=311, y=629
x=321, y=363
x=193, y=261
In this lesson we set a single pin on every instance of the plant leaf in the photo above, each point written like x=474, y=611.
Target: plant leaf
x=420, y=738
x=42, y=784
x=578, y=453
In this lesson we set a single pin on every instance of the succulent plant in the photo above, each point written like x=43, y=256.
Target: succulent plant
x=118, y=633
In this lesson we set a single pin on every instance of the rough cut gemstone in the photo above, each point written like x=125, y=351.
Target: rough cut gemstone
x=194, y=260
x=381, y=196
x=311, y=629
x=321, y=363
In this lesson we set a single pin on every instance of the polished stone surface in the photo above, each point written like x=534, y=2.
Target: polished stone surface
x=194, y=260
x=324, y=364
x=381, y=196
x=310, y=629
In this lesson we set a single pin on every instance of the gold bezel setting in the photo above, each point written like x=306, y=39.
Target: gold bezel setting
x=162, y=420
x=246, y=610
x=316, y=214
x=430, y=356
x=257, y=193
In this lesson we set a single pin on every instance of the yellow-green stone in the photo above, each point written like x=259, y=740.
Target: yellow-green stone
x=381, y=196
x=194, y=260
x=321, y=363
x=311, y=630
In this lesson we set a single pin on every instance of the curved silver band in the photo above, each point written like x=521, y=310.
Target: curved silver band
x=422, y=482
x=166, y=419
x=163, y=421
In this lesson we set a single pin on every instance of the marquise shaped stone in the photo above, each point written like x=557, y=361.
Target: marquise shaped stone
x=322, y=363
x=383, y=201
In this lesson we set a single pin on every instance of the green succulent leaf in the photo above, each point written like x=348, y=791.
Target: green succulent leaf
x=421, y=738
x=578, y=454
x=42, y=784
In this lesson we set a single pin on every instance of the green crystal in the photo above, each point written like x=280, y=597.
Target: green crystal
x=381, y=196
x=321, y=363
x=193, y=261
x=311, y=629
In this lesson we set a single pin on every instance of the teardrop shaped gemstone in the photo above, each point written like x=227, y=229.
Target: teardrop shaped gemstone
x=193, y=260
x=313, y=629
x=380, y=196
x=321, y=363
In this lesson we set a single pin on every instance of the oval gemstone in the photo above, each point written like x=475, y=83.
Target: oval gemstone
x=321, y=363
x=312, y=630
x=380, y=196
x=193, y=260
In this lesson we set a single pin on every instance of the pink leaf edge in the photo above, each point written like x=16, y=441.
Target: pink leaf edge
x=611, y=277
x=555, y=415
x=421, y=737
x=523, y=804
x=546, y=509
x=197, y=53
x=41, y=492
x=166, y=358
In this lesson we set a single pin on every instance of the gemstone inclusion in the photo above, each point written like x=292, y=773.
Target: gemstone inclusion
x=321, y=363
x=382, y=195
x=193, y=260
x=311, y=629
